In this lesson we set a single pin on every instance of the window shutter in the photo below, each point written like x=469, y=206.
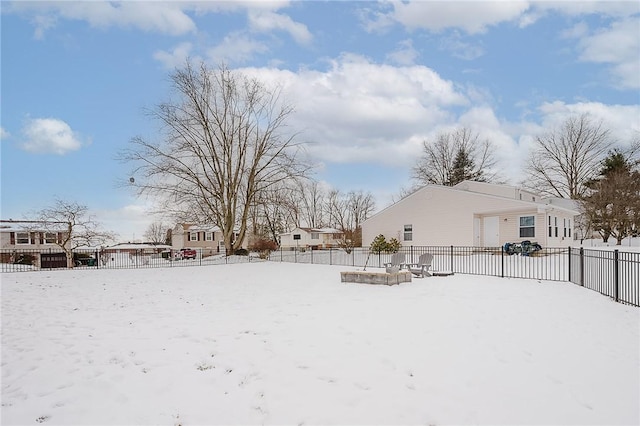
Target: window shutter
x=33, y=238
x=42, y=234
x=59, y=237
x=13, y=238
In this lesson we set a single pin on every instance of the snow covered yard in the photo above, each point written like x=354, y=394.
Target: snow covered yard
x=277, y=343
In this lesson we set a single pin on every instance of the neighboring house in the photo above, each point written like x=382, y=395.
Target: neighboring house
x=315, y=238
x=206, y=238
x=136, y=248
x=35, y=239
x=30, y=235
x=135, y=253
x=474, y=214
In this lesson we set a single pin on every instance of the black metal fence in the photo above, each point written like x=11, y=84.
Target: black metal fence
x=613, y=273
x=33, y=260
x=546, y=264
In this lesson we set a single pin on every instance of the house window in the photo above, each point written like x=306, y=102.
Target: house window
x=556, y=225
x=527, y=226
x=193, y=236
x=50, y=238
x=296, y=236
x=315, y=236
x=208, y=236
x=23, y=238
x=408, y=232
x=569, y=226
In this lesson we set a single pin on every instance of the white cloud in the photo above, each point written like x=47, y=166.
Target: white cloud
x=358, y=111
x=461, y=49
x=474, y=17
x=405, y=54
x=175, y=57
x=4, y=134
x=469, y=16
x=622, y=120
x=266, y=21
x=130, y=221
x=236, y=48
x=618, y=45
x=163, y=17
x=50, y=136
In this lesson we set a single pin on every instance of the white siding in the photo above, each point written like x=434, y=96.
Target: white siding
x=445, y=216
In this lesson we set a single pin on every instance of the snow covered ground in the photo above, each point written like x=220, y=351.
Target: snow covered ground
x=279, y=343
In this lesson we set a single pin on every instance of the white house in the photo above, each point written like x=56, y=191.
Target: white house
x=474, y=214
x=311, y=238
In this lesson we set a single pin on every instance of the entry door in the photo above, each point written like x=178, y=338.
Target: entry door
x=491, y=233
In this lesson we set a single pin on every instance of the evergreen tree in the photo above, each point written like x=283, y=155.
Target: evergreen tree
x=612, y=205
x=464, y=168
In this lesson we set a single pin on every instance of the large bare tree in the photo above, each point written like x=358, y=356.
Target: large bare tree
x=80, y=227
x=225, y=141
x=456, y=156
x=565, y=159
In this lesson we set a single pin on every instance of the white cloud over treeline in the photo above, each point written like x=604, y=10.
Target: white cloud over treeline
x=50, y=136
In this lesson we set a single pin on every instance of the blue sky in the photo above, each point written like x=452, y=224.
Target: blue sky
x=369, y=80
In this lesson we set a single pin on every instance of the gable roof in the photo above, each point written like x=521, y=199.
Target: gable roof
x=314, y=230
x=31, y=226
x=511, y=193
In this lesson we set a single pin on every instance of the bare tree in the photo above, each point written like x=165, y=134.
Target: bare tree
x=312, y=200
x=565, y=159
x=224, y=143
x=347, y=212
x=156, y=233
x=456, y=156
x=80, y=228
x=275, y=211
x=612, y=205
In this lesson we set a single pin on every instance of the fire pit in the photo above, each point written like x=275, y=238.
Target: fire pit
x=384, y=278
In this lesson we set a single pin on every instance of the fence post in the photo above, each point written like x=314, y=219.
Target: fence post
x=582, y=266
x=569, y=264
x=311, y=255
x=502, y=260
x=452, y=259
x=616, y=274
x=97, y=259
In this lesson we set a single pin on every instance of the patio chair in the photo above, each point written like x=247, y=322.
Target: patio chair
x=397, y=261
x=421, y=268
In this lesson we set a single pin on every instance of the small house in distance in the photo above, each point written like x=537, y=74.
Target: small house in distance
x=207, y=239
x=314, y=238
x=474, y=214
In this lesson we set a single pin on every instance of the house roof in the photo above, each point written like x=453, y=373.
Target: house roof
x=31, y=226
x=136, y=246
x=314, y=230
x=188, y=227
x=491, y=191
